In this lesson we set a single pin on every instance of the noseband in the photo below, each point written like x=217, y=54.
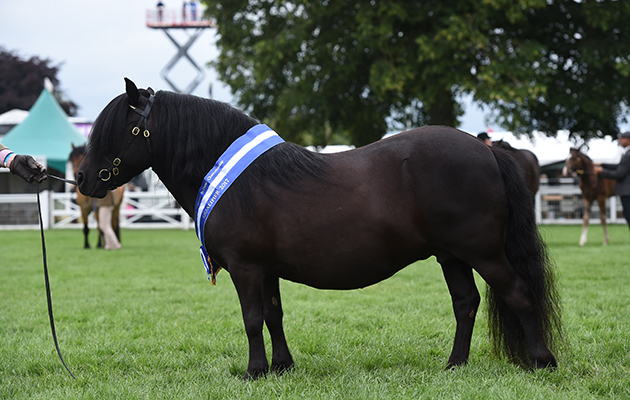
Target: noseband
x=106, y=173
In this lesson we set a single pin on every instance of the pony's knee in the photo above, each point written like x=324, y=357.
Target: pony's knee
x=468, y=306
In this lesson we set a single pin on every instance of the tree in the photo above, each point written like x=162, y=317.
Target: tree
x=314, y=69
x=575, y=65
x=22, y=81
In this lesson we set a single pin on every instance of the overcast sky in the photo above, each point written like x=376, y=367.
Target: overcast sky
x=100, y=42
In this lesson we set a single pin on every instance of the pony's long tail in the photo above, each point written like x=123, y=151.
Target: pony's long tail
x=527, y=253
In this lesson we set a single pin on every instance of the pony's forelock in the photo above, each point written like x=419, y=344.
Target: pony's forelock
x=109, y=122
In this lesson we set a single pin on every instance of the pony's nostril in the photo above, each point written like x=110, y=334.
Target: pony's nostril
x=80, y=178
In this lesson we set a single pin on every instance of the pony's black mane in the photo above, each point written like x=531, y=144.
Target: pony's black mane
x=196, y=131
x=192, y=132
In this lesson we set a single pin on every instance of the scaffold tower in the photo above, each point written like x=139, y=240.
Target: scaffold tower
x=189, y=19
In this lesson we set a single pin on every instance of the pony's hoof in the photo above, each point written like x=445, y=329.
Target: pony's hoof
x=254, y=374
x=281, y=368
x=451, y=365
x=549, y=363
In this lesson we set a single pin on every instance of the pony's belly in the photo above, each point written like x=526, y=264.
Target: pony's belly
x=349, y=257
x=344, y=275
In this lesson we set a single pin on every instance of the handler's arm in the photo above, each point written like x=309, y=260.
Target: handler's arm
x=617, y=171
x=21, y=165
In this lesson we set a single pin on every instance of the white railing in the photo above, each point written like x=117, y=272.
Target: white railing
x=558, y=202
x=145, y=210
x=19, y=211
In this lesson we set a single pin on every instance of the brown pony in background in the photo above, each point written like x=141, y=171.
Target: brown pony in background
x=89, y=204
x=593, y=188
x=527, y=161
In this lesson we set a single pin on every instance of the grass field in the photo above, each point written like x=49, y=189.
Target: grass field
x=144, y=323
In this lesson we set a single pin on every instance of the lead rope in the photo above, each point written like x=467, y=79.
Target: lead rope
x=48, y=296
x=61, y=179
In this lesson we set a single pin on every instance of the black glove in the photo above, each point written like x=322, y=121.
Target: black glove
x=27, y=168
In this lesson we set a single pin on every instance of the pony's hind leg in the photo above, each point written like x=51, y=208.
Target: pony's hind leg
x=465, y=297
x=601, y=201
x=116, y=221
x=281, y=359
x=101, y=239
x=585, y=220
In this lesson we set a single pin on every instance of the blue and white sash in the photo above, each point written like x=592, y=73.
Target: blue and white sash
x=241, y=153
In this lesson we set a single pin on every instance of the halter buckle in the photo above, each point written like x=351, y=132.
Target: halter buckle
x=135, y=131
x=116, y=161
x=146, y=133
x=101, y=173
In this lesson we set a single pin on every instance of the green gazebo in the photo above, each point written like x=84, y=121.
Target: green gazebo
x=45, y=132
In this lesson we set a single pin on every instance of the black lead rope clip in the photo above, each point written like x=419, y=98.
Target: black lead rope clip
x=48, y=296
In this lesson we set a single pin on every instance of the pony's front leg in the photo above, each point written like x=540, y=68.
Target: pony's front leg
x=585, y=220
x=249, y=286
x=466, y=299
x=85, y=213
x=281, y=359
x=601, y=201
x=86, y=233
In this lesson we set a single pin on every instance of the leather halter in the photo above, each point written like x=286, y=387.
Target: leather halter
x=579, y=169
x=106, y=173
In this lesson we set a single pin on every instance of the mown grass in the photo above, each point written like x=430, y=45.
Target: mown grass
x=144, y=323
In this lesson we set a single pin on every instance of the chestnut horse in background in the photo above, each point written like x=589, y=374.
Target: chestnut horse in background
x=89, y=204
x=593, y=187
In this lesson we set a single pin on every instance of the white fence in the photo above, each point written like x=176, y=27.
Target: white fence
x=558, y=202
x=145, y=210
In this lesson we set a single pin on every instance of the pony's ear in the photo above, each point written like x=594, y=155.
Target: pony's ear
x=150, y=90
x=72, y=144
x=132, y=92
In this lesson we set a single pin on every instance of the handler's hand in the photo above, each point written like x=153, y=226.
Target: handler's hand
x=597, y=169
x=27, y=168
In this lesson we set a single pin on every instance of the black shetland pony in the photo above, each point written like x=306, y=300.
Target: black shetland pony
x=347, y=220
